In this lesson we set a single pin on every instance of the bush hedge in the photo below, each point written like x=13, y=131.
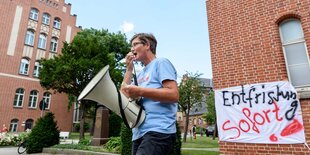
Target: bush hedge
x=126, y=142
x=45, y=133
x=114, y=125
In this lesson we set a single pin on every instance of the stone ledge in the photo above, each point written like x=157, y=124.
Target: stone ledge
x=72, y=151
x=303, y=93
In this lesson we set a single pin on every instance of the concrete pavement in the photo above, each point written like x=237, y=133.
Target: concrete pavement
x=13, y=151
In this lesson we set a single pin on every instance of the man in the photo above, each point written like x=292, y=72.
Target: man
x=158, y=89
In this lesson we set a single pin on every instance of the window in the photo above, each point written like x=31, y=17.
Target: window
x=28, y=124
x=42, y=41
x=34, y=14
x=57, y=23
x=54, y=43
x=19, y=96
x=46, y=19
x=13, y=125
x=29, y=37
x=47, y=99
x=37, y=67
x=24, y=66
x=295, y=52
x=33, y=98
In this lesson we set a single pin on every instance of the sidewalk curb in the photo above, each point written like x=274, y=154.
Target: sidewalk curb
x=72, y=151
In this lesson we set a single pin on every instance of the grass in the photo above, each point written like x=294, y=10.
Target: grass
x=199, y=142
x=76, y=135
x=199, y=152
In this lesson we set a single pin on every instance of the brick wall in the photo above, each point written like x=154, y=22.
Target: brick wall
x=10, y=79
x=246, y=48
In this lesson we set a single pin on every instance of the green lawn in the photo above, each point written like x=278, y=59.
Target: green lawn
x=200, y=142
x=76, y=135
x=198, y=152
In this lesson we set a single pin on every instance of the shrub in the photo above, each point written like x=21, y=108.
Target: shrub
x=45, y=133
x=7, y=139
x=178, y=142
x=113, y=144
x=85, y=141
x=126, y=142
x=12, y=139
x=114, y=125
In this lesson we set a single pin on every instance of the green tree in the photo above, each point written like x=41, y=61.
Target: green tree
x=210, y=115
x=80, y=60
x=190, y=94
x=45, y=133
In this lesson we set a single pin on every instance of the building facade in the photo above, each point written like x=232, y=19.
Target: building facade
x=29, y=31
x=198, y=110
x=258, y=41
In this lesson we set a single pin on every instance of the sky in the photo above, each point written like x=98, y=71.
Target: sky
x=180, y=27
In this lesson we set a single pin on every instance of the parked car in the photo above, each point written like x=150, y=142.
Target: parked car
x=210, y=130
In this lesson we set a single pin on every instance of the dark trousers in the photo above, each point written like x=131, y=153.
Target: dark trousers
x=154, y=143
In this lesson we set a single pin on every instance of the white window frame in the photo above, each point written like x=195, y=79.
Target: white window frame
x=46, y=18
x=29, y=38
x=54, y=44
x=47, y=99
x=285, y=43
x=34, y=14
x=33, y=99
x=57, y=23
x=19, y=97
x=36, y=70
x=42, y=41
x=24, y=66
x=14, y=125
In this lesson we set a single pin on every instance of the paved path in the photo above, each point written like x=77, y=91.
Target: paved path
x=13, y=151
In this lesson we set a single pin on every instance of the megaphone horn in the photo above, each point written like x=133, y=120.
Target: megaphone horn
x=102, y=90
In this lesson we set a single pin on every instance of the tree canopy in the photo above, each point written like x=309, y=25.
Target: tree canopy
x=91, y=50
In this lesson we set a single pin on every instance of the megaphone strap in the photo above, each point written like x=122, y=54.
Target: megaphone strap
x=121, y=108
x=140, y=112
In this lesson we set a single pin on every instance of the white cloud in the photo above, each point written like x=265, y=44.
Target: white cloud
x=127, y=27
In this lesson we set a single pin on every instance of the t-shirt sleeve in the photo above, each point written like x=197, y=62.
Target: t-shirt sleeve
x=166, y=70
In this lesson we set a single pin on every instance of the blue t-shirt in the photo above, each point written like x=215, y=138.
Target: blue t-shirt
x=160, y=117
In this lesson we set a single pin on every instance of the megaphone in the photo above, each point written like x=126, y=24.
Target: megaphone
x=102, y=90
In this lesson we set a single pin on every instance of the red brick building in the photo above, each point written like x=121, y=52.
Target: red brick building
x=256, y=41
x=29, y=31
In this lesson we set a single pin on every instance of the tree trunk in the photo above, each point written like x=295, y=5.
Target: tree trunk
x=186, y=123
x=82, y=120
